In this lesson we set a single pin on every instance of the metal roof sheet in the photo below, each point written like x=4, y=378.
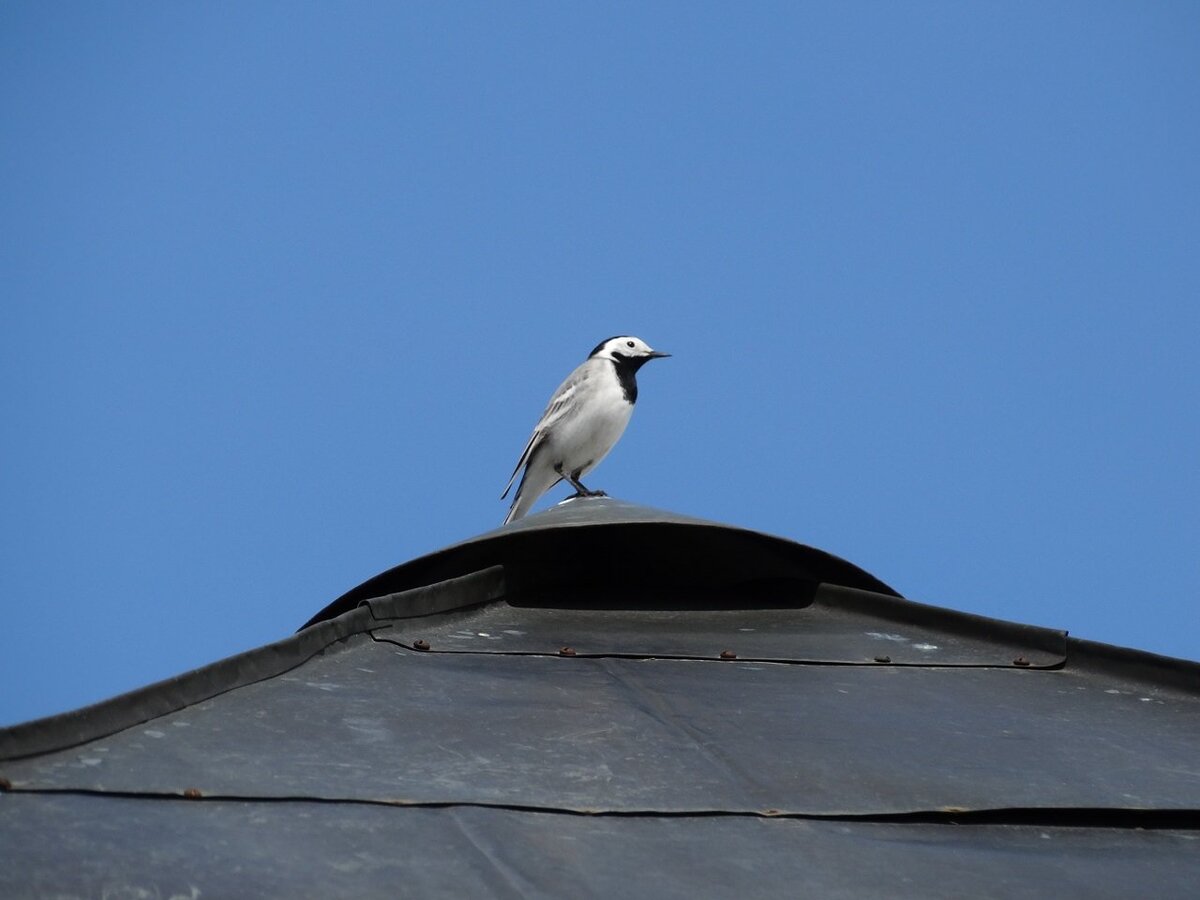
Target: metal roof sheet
x=128, y=847
x=776, y=622
x=604, y=686
x=371, y=721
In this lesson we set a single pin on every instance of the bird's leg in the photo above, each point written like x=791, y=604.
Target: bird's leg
x=578, y=485
x=580, y=490
x=573, y=478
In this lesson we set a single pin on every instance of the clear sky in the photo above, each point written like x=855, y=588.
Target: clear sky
x=286, y=285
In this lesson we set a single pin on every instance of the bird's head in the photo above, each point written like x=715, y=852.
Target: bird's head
x=626, y=350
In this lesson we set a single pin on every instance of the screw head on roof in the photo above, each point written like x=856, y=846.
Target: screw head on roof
x=1020, y=661
x=193, y=793
x=420, y=645
x=566, y=651
x=883, y=659
x=728, y=654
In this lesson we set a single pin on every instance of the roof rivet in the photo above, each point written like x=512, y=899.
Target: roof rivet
x=770, y=812
x=566, y=651
x=420, y=645
x=728, y=654
x=883, y=659
x=1020, y=661
x=5, y=784
x=192, y=793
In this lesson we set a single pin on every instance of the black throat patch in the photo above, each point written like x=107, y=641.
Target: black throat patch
x=627, y=367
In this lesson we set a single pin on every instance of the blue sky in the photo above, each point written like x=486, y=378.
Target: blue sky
x=286, y=285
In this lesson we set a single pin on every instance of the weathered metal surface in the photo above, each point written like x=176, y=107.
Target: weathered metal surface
x=684, y=625
x=78, y=846
x=376, y=722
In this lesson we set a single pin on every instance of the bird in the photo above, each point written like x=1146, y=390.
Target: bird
x=584, y=419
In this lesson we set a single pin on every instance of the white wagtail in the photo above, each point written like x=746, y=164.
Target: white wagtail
x=584, y=419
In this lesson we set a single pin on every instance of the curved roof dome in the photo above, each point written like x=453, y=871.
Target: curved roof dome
x=602, y=541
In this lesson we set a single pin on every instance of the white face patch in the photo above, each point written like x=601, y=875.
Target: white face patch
x=627, y=347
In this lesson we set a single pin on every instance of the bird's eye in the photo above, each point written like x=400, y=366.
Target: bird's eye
x=629, y=343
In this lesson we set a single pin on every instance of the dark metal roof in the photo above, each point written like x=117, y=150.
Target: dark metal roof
x=243, y=849
x=624, y=700
x=610, y=543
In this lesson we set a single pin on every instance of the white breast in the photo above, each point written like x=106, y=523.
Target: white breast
x=582, y=441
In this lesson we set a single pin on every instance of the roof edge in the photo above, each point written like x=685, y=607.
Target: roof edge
x=1136, y=665
x=69, y=729
x=1036, y=646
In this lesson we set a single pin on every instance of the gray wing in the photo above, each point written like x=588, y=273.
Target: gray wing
x=561, y=405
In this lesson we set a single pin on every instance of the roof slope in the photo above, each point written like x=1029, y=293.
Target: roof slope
x=603, y=690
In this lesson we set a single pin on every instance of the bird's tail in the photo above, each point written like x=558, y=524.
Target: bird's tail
x=521, y=504
x=534, y=483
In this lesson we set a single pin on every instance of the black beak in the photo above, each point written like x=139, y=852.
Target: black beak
x=657, y=354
